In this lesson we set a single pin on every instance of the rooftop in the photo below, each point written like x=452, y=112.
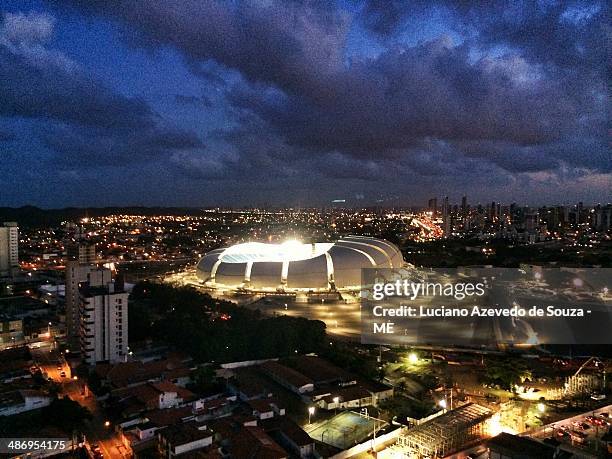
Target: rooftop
x=261, y=252
x=318, y=369
x=254, y=443
x=527, y=447
x=182, y=434
x=291, y=376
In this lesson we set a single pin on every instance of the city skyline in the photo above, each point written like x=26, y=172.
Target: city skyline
x=300, y=104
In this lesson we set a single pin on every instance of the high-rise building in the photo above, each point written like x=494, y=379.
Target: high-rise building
x=446, y=218
x=9, y=245
x=74, y=232
x=83, y=251
x=103, y=314
x=76, y=274
x=603, y=217
x=81, y=256
x=433, y=206
x=493, y=211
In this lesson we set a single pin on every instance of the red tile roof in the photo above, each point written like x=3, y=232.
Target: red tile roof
x=126, y=373
x=254, y=443
x=291, y=376
x=169, y=416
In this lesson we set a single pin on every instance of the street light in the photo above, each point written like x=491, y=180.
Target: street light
x=413, y=358
x=311, y=411
x=442, y=403
x=106, y=423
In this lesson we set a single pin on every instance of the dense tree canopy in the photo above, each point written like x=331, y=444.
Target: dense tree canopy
x=217, y=331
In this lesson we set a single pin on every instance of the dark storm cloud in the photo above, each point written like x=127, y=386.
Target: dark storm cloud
x=90, y=147
x=197, y=101
x=570, y=35
x=384, y=16
x=407, y=95
x=520, y=109
x=573, y=36
x=84, y=120
x=280, y=43
x=6, y=136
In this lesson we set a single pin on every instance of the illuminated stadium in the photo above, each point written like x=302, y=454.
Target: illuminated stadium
x=296, y=267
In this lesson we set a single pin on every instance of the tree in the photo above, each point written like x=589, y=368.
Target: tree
x=205, y=379
x=212, y=330
x=66, y=414
x=506, y=373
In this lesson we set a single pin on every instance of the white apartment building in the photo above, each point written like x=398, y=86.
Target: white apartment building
x=103, y=315
x=9, y=243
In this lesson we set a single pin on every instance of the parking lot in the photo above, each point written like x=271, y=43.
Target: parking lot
x=581, y=432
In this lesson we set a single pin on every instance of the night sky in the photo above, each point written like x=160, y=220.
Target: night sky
x=200, y=103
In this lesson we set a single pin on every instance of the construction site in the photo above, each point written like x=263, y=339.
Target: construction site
x=443, y=434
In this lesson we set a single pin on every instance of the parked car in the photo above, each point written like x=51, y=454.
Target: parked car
x=595, y=421
x=577, y=437
x=97, y=452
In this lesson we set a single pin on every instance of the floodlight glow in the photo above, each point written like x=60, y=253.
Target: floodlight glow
x=292, y=244
x=494, y=426
x=442, y=403
x=261, y=252
x=295, y=266
x=413, y=358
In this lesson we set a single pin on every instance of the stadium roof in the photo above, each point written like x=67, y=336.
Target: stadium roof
x=261, y=252
x=295, y=266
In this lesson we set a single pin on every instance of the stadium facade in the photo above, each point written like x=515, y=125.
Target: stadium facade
x=296, y=267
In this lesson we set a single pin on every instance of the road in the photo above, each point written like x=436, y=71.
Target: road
x=52, y=364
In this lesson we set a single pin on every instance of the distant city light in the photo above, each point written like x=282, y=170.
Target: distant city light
x=541, y=407
x=578, y=282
